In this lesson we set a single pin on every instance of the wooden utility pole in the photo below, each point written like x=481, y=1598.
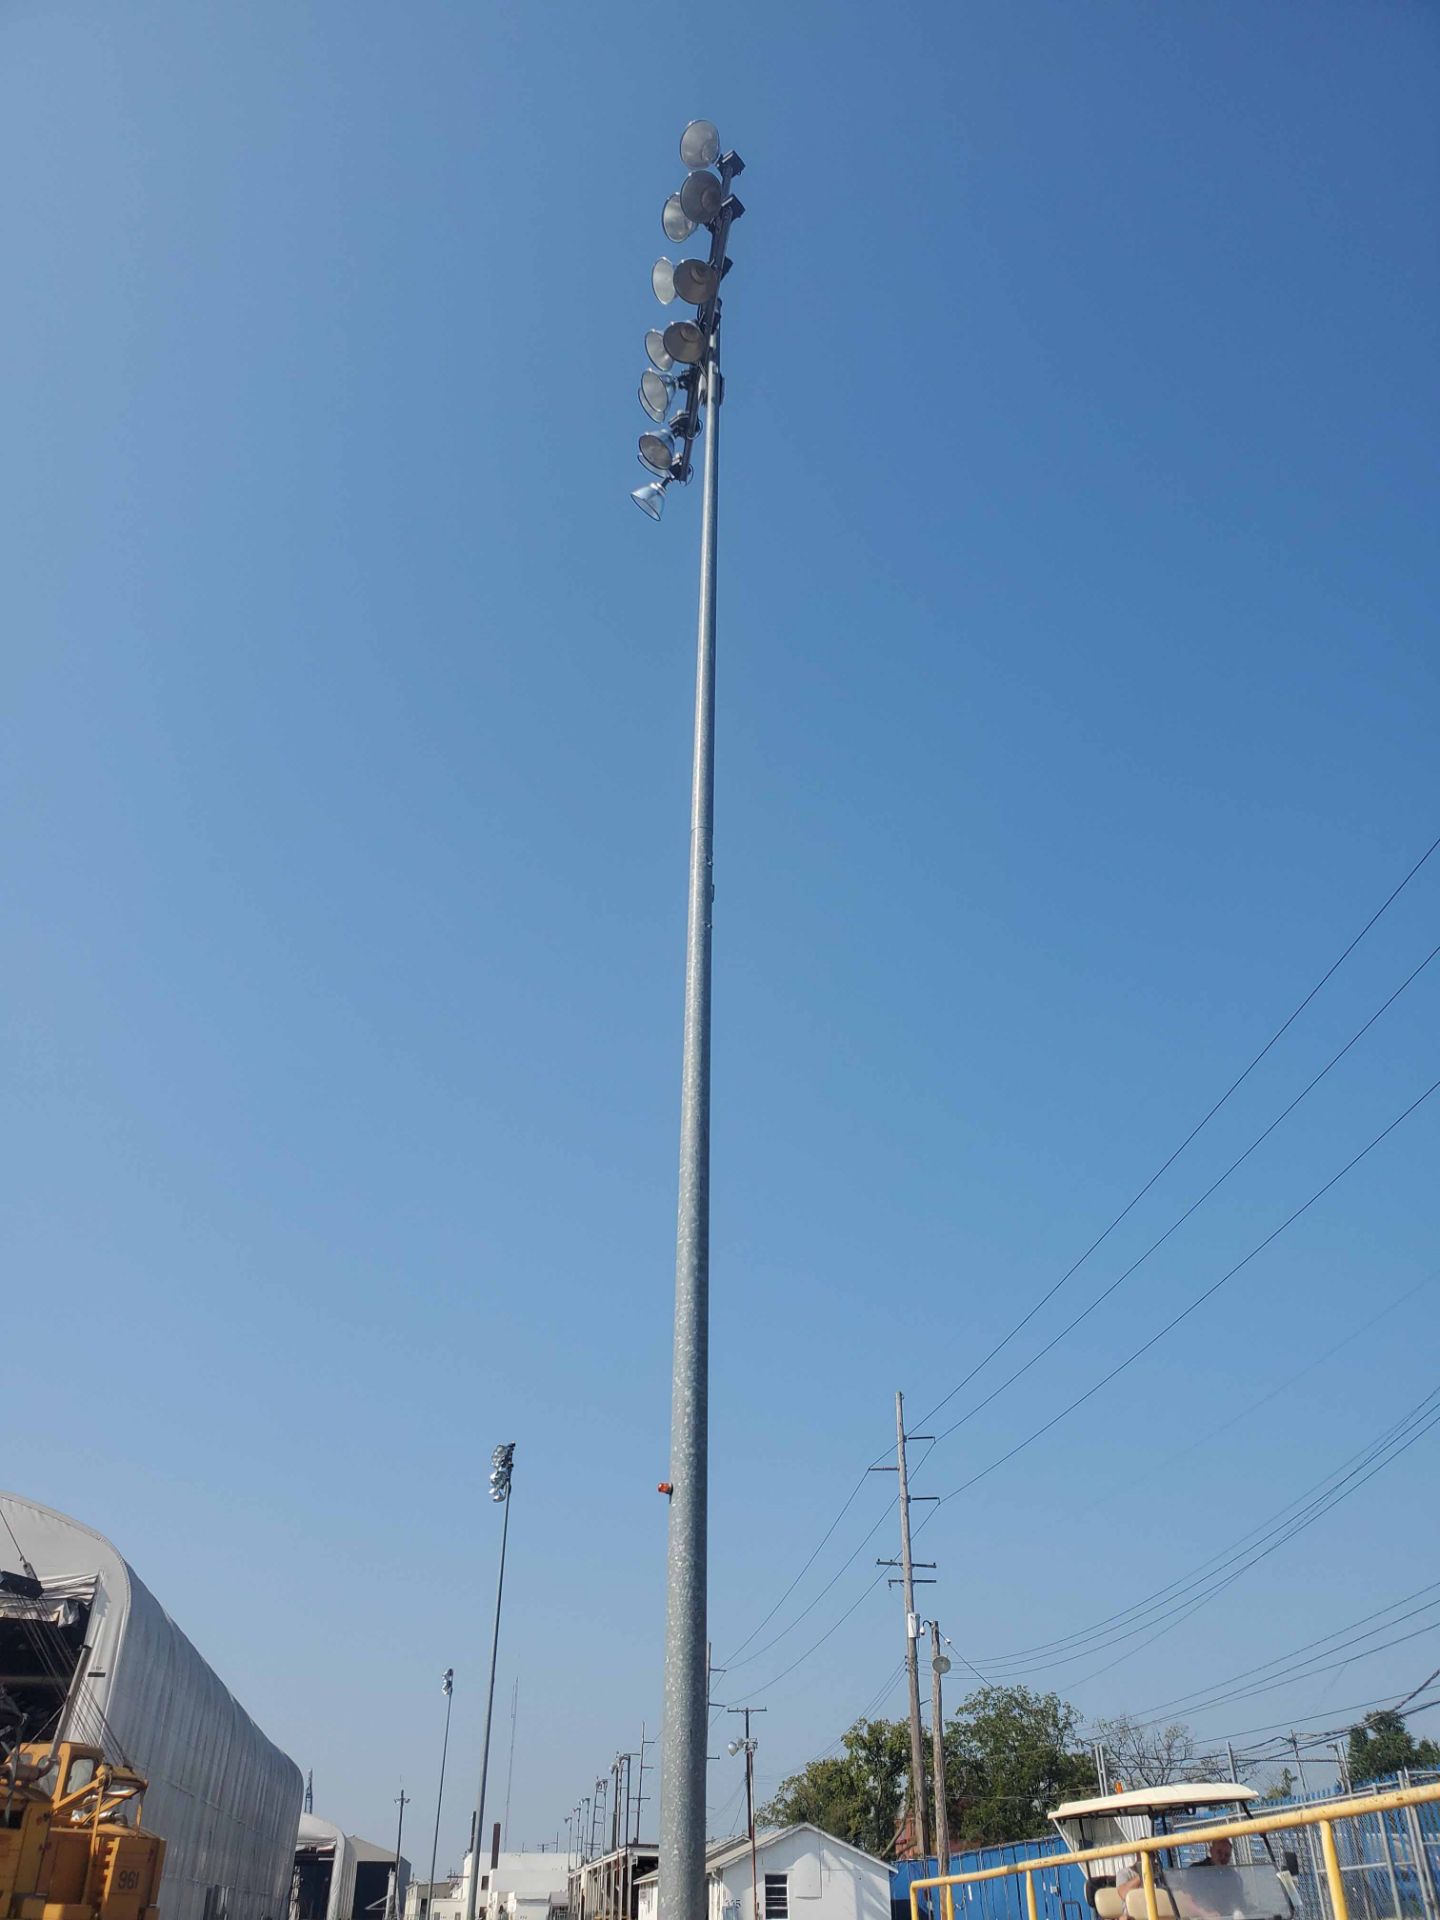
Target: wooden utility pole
x=908, y=1583
x=939, y=1665
x=912, y=1629
x=749, y=1745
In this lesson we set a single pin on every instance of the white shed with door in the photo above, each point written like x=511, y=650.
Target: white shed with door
x=802, y=1873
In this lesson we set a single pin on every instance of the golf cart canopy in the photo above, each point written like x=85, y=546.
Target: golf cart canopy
x=1184, y=1796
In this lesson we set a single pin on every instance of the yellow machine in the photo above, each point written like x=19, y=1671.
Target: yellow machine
x=71, y=1843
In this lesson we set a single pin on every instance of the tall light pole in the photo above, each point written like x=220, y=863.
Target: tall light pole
x=704, y=201
x=448, y=1686
x=502, y=1463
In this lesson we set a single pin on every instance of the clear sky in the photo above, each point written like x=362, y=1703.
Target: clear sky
x=1078, y=706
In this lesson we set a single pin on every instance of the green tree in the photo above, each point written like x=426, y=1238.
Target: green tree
x=1382, y=1743
x=1283, y=1786
x=857, y=1794
x=1010, y=1756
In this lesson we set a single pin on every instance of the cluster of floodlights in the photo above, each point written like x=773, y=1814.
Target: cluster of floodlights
x=670, y=387
x=502, y=1460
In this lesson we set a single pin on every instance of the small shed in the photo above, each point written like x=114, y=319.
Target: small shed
x=802, y=1873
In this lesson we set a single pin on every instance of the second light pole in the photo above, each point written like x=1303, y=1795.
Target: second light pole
x=502, y=1463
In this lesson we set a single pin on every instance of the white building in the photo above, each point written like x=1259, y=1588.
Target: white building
x=803, y=1874
x=440, y=1900
x=520, y=1886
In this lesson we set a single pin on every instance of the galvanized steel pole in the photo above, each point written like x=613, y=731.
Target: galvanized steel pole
x=448, y=1683
x=473, y=1888
x=682, y=1746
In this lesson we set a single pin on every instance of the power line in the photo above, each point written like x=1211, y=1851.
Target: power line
x=1251, y=1693
x=1196, y=1702
x=1165, y=1166
x=730, y=1659
x=842, y=1569
x=1197, y=1302
x=1176, y=1224
x=1129, y=1207
x=1090, y=1392
x=1205, y=1599
x=1358, y=1706
x=1254, y=1406
x=1305, y=1502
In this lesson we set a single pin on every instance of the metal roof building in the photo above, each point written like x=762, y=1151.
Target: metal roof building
x=98, y=1656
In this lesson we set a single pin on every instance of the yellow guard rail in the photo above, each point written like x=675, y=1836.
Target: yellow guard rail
x=1322, y=1814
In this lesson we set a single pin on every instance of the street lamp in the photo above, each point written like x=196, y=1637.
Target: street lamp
x=502, y=1463
x=689, y=350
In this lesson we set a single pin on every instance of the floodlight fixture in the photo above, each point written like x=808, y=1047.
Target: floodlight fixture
x=662, y=279
x=677, y=223
x=685, y=342
x=503, y=1458
x=700, y=144
x=695, y=281
x=656, y=352
x=657, y=390
x=657, y=450
x=732, y=1747
x=651, y=497
x=701, y=196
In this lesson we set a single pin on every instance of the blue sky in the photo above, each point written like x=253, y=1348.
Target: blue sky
x=1078, y=706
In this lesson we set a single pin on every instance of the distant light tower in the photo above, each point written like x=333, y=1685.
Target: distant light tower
x=448, y=1687
x=502, y=1462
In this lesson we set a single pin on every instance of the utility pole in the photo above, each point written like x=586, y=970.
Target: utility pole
x=310, y=1791
x=939, y=1665
x=749, y=1746
x=642, y=1767
x=912, y=1626
x=597, y=1827
x=402, y=1803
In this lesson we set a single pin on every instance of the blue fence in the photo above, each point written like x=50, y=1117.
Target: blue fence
x=1059, y=1891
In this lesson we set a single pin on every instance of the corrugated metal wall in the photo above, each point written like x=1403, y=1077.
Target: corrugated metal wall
x=1060, y=1892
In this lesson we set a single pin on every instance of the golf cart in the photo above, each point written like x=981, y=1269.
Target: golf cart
x=1247, y=1882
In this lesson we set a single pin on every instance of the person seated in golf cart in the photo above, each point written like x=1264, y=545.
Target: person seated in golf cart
x=1212, y=1888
